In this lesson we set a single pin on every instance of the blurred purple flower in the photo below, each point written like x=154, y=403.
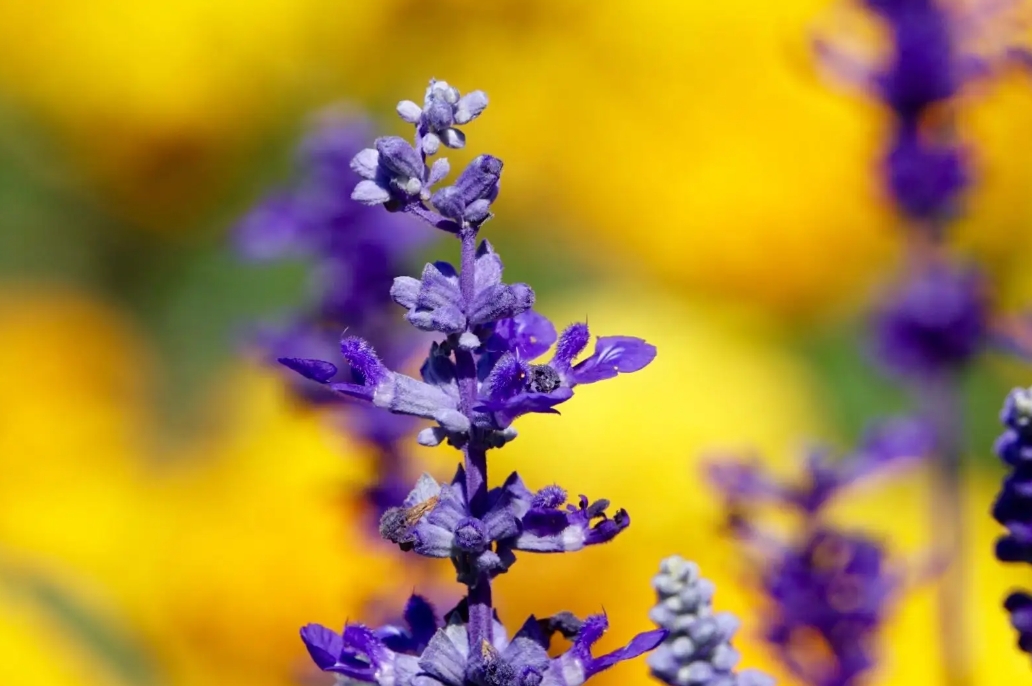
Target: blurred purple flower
x=936, y=322
x=828, y=590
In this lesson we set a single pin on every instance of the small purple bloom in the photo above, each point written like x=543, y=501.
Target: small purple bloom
x=834, y=586
x=435, y=303
x=821, y=583
x=436, y=520
x=935, y=322
x=546, y=526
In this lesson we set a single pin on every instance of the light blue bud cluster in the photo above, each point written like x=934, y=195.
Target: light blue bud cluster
x=697, y=650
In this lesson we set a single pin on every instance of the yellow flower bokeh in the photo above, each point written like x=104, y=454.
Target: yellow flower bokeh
x=214, y=555
x=694, y=138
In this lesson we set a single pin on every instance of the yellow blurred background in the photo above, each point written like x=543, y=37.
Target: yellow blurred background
x=675, y=170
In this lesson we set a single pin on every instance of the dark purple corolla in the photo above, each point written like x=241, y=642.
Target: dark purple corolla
x=1013, y=506
x=480, y=374
x=821, y=583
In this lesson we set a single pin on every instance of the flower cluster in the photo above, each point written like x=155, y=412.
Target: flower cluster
x=1013, y=506
x=354, y=252
x=480, y=374
x=697, y=650
x=824, y=584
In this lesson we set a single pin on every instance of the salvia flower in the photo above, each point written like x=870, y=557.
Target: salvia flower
x=1013, y=506
x=435, y=520
x=697, y=650
x=479, y=375
x=508, y=385
x=431, y=653
x=828, y=590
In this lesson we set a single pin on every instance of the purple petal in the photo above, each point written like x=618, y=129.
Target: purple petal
x=316, y=370
x=571, y=343
x=529, y=335
x=639, y=645
x=449, y=203
x=399, y=156
x=422, y=621
x=607, y=529
x=443, y=661
x=470, y=106
x=370, y=193
x=501, y=302
x=365, y=163
x=614, y=355
x=479, y=179
x=525, y=403
x=507, y=380
x=324, y=645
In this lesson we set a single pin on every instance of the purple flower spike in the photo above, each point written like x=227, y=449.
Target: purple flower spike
x=477, y=378
x=835, y=585
x=614, y=355
x=1013, y=506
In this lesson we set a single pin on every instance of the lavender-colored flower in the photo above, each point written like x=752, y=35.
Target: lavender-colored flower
x=475, y=381
x=833, y=587
x=507, y=389
x=934, y=323
x=936, y=49
x=1013, y=506
x=435, y=302
x=825, y=587
x=435, y=520
x=697, y=650
x=447, y=659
